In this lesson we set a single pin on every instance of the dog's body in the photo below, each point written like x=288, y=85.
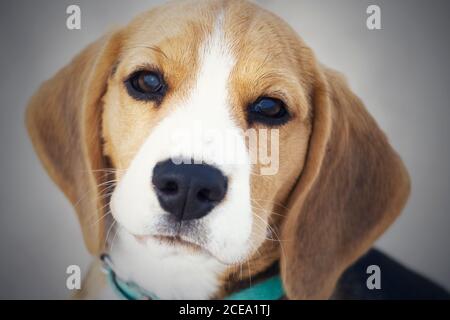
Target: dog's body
x=103, y=127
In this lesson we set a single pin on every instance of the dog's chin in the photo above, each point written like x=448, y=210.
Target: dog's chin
x=175, y=242
x=179, y=244
x=184, y=245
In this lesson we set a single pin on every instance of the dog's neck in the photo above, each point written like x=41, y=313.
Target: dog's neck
x=178, y=273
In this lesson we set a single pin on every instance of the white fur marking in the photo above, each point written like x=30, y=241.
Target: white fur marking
x=176, y=273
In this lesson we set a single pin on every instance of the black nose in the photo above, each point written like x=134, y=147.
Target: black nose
x=188, y=191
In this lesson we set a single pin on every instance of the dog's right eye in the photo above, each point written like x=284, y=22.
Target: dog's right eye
x=146, y=85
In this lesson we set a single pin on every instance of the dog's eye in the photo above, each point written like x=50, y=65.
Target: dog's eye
x=146, y=85
x=270, y=111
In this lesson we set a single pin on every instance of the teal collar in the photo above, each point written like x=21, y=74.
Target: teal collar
x=269, y=289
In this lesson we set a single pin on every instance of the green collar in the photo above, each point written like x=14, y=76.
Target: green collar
x=269, y=289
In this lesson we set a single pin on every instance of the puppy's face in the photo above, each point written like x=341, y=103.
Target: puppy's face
x=226, y=135
x=193, y=90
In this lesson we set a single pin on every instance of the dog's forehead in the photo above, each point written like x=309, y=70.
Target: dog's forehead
x=268, y=56
x=180, y=29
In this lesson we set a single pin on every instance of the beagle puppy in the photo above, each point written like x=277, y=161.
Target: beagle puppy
x=103, y=127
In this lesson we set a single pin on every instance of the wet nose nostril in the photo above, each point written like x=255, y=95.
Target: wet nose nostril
x=212, y=195
x=170, y=187
x=204, y=195
x=166, y=186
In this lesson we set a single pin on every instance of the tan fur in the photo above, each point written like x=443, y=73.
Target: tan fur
x=340, y=184
x=93, y=283
x=351, y=189
x=62, y=119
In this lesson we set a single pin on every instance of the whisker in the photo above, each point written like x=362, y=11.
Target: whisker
x=276, y=203
x=114, y=238
x=90, y=191
x=283, y=252
x=265, y=210
x=105, y=196
x=102, y=217
x=271, y=229
x=109, y=230
x=264, y=229
x=271, y=212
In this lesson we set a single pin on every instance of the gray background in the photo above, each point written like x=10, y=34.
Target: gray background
x=401, y=72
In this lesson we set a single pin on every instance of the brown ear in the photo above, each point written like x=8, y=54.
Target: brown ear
x=351, y=189
x=63, y=120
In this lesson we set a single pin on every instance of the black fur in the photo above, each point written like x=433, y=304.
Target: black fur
x=397, y=281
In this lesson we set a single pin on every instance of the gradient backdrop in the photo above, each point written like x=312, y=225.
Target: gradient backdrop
x=401, y=72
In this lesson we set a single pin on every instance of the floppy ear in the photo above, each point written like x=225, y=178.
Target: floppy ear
x=63, y=120
x=351, y=189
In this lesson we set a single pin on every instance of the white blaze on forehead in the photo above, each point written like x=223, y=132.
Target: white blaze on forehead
x=211, y=90
x=207, y=108
x=227, y=228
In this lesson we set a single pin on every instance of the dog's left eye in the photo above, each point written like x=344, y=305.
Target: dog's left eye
x=267, y=110
x=146, y=85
